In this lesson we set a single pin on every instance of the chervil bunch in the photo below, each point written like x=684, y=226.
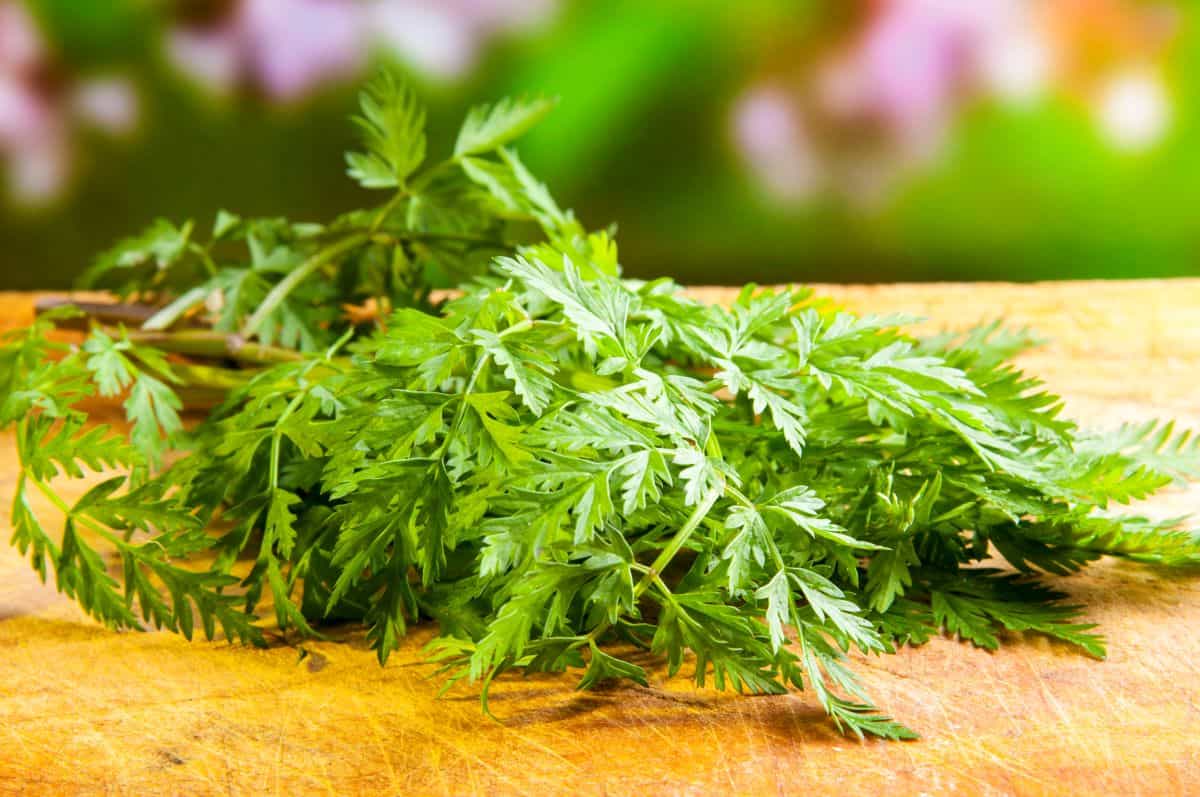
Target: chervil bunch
x=554, y=459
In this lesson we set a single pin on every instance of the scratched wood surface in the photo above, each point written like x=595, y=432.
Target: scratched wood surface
x=84, y=710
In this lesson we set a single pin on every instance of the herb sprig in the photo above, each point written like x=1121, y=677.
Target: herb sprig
x=555, y=459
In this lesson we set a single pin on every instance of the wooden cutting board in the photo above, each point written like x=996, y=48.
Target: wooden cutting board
x=85, y=710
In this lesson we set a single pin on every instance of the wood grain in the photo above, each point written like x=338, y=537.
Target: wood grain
x=84, y=710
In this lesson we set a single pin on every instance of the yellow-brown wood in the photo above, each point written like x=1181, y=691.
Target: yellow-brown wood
x=85, y=710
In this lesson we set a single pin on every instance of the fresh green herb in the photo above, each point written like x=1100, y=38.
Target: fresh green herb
x=555, y=459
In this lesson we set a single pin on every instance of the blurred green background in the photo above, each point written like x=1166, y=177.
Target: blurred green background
x=758, y=140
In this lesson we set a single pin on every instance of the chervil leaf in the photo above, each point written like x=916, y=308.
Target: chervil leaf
x=603, y=667
x=110, y=368
x=749, y=547
x=888, y=575
x=527, y=369
x=977, y=603
x=393, y=128
x=778, y=595
x=642, y=474
x=158, y=247
x=830, y=604
x=489, y=127
x=153, y=408
x=280, y=529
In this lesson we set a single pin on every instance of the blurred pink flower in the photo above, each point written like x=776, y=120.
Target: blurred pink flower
x=916, y=59
x=909, y=62
x=36, y=120
x=296, y=44
x=20, y=44
x=24, y=114
x=286, y=47
x=771, y=136
x=40, y=169
x=428, y=36
x=443, y=37
x=208, y=55
x=32, y=141
x=109, y=104
x=885, y=101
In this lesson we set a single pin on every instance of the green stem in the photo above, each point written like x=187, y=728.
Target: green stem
x=440, y=236
x=277, y=436
x=302, y=272
x=424, y=178
x=653, y=574
x=462, y=407
x=205, y=343
x=386, y=210
x=208, y=377
x=681, y=537
x=297, y=400
x=205, y=258
x=35, y=529
x=54, y=497
x=520, y=326
x=83, y=520
x=668, y=596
